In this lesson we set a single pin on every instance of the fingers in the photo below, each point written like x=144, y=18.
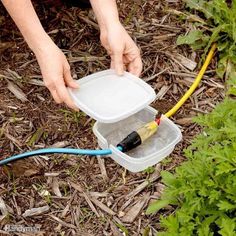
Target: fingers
x=112, y=65
x=59, y=92
x=68, y=78
x=117, y=61
x=64, y=95
x=131, y=59
x=135, y=67
x=51, y=87
x=55, y=96
x=70, y=83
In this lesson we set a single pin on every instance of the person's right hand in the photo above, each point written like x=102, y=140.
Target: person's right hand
x=56, y=73
x=123, y=51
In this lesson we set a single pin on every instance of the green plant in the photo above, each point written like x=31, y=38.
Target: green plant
x=123, y=229
x=36, y=137
x=204, y=187
x=149, y=170
x=72, y=115
x=218, y=26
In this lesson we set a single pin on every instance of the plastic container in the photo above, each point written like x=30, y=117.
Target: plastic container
x=109, y=98
x=120, y=104
x=150, y=152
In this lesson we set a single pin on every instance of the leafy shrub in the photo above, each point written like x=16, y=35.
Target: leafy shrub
x=204, y=187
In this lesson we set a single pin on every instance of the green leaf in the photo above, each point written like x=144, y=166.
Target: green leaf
x=226, y=206
x=205, y=227
x=157, y=205
x=168, y=178
x=191, y=38
x=123, y=229
x=149, y=170
x=214, y=196
x=172, y=225
x=222, y=45
x=228, y=227
x=224, y=167
x=221, y=68
x=200, y=5
x=36, y=137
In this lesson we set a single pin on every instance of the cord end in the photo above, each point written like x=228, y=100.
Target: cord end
x=131, y=141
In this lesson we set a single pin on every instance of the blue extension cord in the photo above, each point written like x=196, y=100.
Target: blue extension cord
x=58, y=150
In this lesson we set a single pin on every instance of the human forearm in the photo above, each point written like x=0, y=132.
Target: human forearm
x=106, y=13
x=53, y=63
x=25, y=17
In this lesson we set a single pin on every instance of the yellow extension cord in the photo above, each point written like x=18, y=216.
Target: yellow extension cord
x=150, y=128
x=196, y=82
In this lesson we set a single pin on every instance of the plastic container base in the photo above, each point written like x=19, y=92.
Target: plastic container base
x=155, y=149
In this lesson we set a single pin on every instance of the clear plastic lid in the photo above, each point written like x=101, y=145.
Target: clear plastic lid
x=109, y=98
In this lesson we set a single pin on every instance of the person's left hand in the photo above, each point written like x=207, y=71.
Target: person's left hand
x=123, y=51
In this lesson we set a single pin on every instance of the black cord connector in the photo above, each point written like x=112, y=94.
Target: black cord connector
x=131, y=141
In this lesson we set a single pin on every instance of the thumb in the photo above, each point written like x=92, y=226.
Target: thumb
x=118, y=62
x=69, y=80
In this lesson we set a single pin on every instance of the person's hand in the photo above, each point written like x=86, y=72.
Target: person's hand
x=56, y=73
x=123, y=51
